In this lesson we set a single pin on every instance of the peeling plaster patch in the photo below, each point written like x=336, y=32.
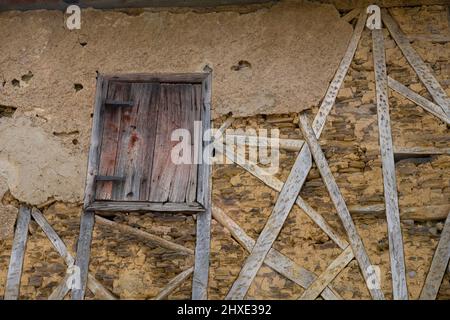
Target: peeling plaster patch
x=36, y=165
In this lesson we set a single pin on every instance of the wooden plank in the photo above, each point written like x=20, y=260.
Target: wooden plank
x=163, y=168
x=399, y=288
x=423, y=72
x=109, y=141
x=203, y=231
x=254, y=141
x=109, y=178
x=174, y=284
x=277, y=185
x=141, y=206
x=62, y=289
x=341, y=208
x=438, y=265
x=14, y=275
x=83, y=252
x=184, y=120
x=349, y=16
x=138, y=141
x=427, y=105
x=160, y=77
x=144, y=236
x=401, y=153
x=331, y=272
x=274, y=259
x=338, y=79
x=96, y=138
x=52, y=236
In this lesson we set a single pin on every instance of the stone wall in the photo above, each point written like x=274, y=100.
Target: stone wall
x=131, y=269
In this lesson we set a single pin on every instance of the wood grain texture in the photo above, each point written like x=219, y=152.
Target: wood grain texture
x=84, y=251
x=159, y=77
x=274, y=259
x=423, y=72
x=61, y=289
x=95, y=147
x=141, y=206
x=174, y=284
x=285, y=144
x=338, y=79
x=203, y=230
x=399, y=288
x=144, y=236
x=341, y=208
x=331, y=272
x=427, y=105
x=438, y=265
x=277, y=185
x=12, y=286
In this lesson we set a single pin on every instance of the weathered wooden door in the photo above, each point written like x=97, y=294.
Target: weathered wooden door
x=138, y=116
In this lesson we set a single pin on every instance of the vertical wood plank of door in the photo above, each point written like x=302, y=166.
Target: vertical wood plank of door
x=109, y=140
x=196, y=142
x=163, y=169
x=125, y=128
x=14, y=275
x=399, y=288
x=139, y=143
x=150, y=124
x=184, y=121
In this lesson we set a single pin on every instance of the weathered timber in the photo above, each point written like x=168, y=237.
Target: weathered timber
x=174, y=284
x=255, y=141
x=274, y=259
x=427, y=105
x=341, y=208
x=438, y=265
x=109, y=178
x=14, y=275
x=203, y=228
x=277, y=185
x=423, y=72
x=421, y=213
x=94, y=150
x=331, y=272
x=399, y=288
x=143, y=235
x=83, y=252
x=159, y=77
x=439, y=38
x=130, y=206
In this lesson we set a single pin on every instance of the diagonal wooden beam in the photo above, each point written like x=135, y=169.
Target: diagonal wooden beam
x=14, y=275
x=255, y=141
x=351, y=15
x=438, y=265
x=274, y=259
x=399, y=288
x=174, y=284
x=332, y=271
x=144, y=236
x=83, y=252
x=277, y=185
x=423, y=72
x=341, y=208
x=62, y=289
x=426, y=104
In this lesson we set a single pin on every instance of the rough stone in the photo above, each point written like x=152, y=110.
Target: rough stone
x=8, y=215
